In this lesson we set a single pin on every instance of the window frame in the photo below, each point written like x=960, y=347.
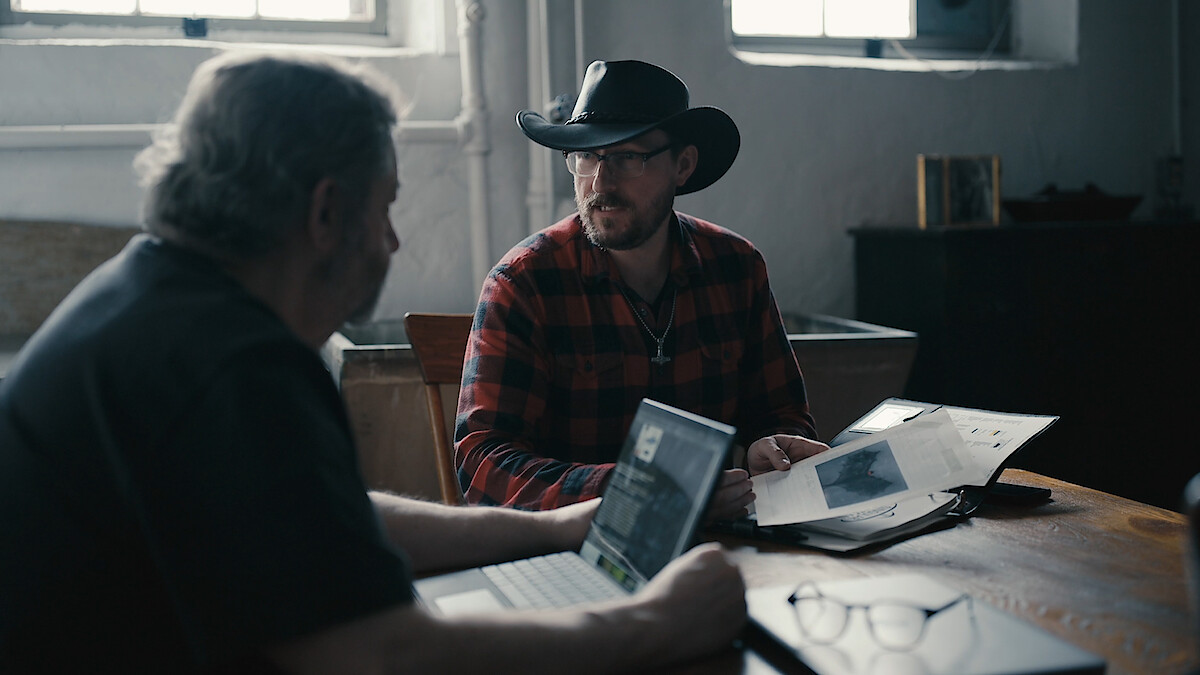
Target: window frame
x=377, y=26
x=930, y=45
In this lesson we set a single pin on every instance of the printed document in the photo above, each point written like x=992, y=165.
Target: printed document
x=993, y=436
x=924, y=455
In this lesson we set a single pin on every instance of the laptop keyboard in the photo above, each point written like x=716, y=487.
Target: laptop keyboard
x=555, y=580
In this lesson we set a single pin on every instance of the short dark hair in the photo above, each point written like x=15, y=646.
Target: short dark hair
x=251, y=139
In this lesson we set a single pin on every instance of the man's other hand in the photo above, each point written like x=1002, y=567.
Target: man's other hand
x=731, y=497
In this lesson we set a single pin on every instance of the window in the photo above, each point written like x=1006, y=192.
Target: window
x=355, y=16
x=933, y=28
x=823, y=18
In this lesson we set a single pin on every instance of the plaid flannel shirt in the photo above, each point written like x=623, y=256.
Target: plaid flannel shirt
x=557, y=363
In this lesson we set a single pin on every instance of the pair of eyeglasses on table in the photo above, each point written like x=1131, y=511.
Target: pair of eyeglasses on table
x=895, y=625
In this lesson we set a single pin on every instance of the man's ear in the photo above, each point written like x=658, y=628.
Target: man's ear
x=685, y=164
x=323, y=222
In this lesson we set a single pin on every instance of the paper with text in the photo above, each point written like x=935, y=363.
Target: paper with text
x=992, y=436
x=919, y=457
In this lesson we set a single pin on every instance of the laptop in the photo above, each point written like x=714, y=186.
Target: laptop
x=655, y=500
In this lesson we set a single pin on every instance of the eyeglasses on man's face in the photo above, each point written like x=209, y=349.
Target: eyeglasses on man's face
x=893, y=624
x=584, y=163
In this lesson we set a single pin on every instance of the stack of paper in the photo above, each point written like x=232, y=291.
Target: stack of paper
x=888, y=521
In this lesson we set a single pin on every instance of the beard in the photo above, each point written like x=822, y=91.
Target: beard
x=366, y=310
x=360, y=275
x=642, y=223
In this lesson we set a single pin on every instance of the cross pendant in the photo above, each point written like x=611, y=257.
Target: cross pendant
x=660, y=359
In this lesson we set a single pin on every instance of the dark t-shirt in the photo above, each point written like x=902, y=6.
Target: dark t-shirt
x=178, y=482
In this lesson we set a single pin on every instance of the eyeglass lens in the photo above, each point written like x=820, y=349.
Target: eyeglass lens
x=620, y=164
x=821, y=619
x=896, y=626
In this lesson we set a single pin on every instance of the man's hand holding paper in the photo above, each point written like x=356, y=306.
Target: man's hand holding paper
x=779, y=452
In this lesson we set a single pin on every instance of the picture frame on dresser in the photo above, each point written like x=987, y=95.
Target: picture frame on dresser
x=958, y=190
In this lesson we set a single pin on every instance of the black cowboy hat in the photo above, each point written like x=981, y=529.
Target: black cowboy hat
x=621, y=100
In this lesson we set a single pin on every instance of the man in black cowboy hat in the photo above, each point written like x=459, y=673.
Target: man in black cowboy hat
x=623, y=300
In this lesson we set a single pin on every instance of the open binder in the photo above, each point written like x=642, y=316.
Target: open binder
x=992, y=439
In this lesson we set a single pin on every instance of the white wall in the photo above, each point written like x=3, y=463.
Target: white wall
x=824, y=150
x=87, y=82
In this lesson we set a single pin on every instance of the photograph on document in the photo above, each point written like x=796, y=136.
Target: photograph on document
x=861, y=476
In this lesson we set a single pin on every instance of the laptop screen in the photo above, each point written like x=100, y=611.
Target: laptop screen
x=658, y=492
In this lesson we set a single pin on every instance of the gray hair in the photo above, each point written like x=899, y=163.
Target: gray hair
x=251, y=139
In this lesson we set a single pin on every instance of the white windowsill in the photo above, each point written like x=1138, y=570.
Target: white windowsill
x=779, y=59
x=348, y=50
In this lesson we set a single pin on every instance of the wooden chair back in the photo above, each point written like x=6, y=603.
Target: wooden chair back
x=439, y=342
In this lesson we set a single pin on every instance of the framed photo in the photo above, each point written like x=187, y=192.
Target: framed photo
x=958, y=190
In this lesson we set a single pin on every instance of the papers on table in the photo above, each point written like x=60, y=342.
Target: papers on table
x=885, y=522
x=924, y=455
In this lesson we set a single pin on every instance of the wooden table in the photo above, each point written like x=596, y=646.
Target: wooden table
x=1102, y=572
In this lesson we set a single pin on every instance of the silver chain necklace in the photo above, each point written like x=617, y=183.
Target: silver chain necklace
x=658, y=360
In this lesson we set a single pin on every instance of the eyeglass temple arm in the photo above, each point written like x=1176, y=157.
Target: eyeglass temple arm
x=930, y=612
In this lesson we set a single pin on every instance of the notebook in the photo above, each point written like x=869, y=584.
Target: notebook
x=964, y=637
x=655, y=499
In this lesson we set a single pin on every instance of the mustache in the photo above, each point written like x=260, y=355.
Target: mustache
x=595, y=201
